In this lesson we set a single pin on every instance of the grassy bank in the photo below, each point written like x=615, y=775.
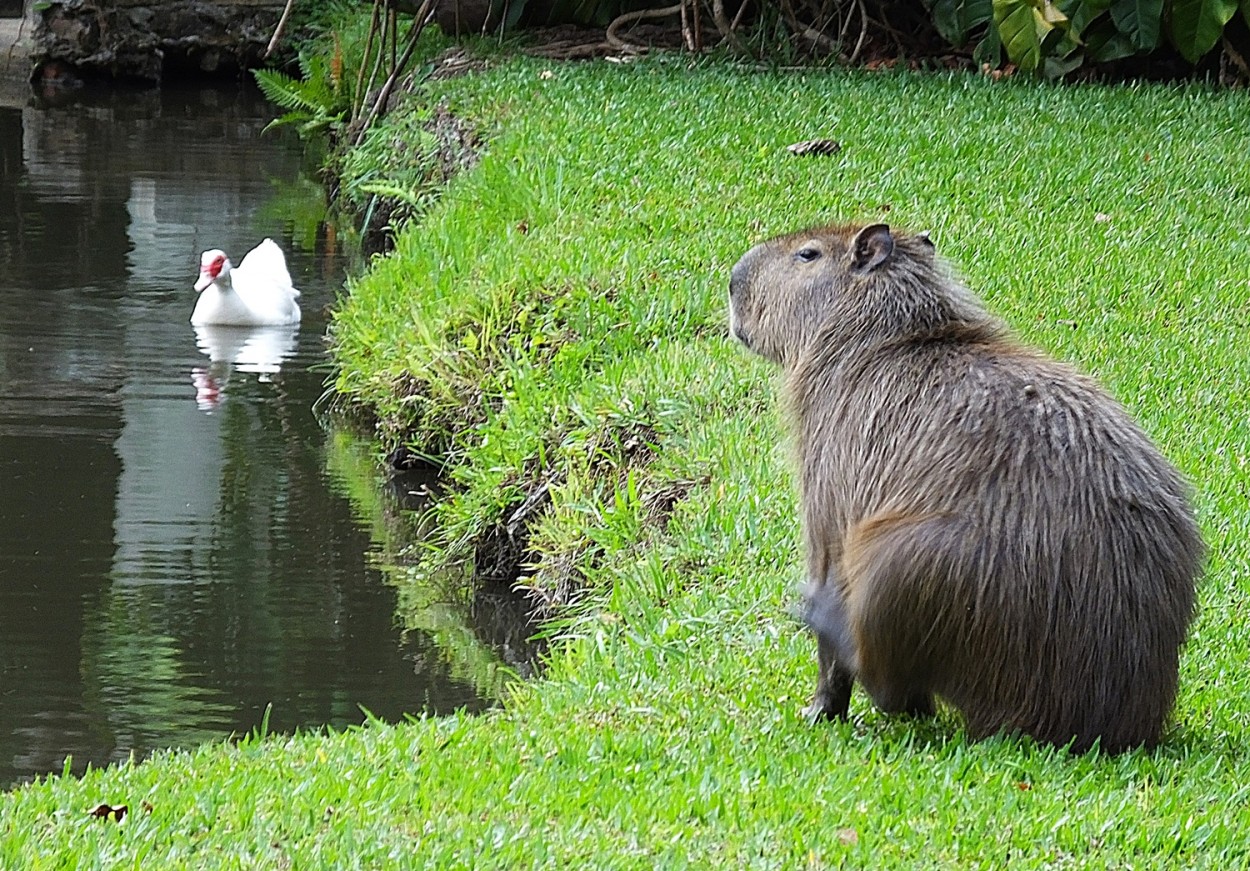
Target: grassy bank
x=555, y=327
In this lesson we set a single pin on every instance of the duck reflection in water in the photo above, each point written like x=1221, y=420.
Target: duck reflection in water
x=255, y=350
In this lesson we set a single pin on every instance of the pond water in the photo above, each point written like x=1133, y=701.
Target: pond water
x=182, y=544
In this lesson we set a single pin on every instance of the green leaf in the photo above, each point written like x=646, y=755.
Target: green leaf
x=1245, y=11
x=1083, y=13
x=1014, y=20
x=1105, y=42
x=412, y=198
x=1052, y=29
x=1029, y=30
x=955, y=20
x=1196, y=25
x=1140, y=20
x=283, y=120
x=1058, y=67
x=1067, y=46
x=989, y=50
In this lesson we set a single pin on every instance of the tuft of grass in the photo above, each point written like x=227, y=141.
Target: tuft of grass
x=555, y=321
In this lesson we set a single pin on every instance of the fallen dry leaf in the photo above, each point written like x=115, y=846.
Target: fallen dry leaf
x=814, y=146
x=104, y=811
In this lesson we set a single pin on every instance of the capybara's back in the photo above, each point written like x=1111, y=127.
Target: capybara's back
x=981, y=522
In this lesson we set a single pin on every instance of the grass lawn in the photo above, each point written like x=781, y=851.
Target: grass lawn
x=557, y=321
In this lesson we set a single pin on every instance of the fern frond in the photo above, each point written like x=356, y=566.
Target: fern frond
x=284, y=120
x=282, y=90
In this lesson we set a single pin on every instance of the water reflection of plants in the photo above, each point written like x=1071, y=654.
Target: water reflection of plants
x=482, y=633
x=139, y=688
x=299, y=204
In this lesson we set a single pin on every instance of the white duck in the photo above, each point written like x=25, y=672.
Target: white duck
x=257, y=292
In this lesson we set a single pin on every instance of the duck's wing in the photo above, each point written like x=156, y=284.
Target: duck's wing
x=265, y=266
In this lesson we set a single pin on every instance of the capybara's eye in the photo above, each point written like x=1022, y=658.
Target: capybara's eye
x=807, y=255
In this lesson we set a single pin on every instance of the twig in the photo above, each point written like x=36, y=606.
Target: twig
x=787, y=9
x=630, y=17
x=21, y=34
x=359, y=97
x=424, y=16
x=277, y=31
x=393, y=19
x=863, y=31
x=726, y=29
x=846, y=20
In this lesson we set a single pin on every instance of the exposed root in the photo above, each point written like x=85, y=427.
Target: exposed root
x=631, y=17
x=726, y=29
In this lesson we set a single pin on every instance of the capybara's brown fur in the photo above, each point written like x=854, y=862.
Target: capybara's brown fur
x=980, y=522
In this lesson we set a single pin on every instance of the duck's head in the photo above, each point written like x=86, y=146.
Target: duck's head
x=214, y=266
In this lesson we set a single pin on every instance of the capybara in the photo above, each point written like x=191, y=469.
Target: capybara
x=980, y=522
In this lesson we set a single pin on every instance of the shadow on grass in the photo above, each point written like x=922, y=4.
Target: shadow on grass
x=943, y=737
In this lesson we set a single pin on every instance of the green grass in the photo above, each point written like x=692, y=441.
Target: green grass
x=558, y=317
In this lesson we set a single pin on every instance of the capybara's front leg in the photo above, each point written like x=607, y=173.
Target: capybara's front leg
x=825, y=613
x=832, y=699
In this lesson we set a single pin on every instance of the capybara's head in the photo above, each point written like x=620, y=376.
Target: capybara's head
x=783, y=292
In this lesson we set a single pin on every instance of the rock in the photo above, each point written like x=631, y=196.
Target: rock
x=148, y=39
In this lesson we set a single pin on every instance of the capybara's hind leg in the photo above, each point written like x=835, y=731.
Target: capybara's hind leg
x=905, y=590
x=902, y=700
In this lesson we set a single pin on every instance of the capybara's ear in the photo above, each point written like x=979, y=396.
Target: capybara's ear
x=923, y=236
x=871, y=247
